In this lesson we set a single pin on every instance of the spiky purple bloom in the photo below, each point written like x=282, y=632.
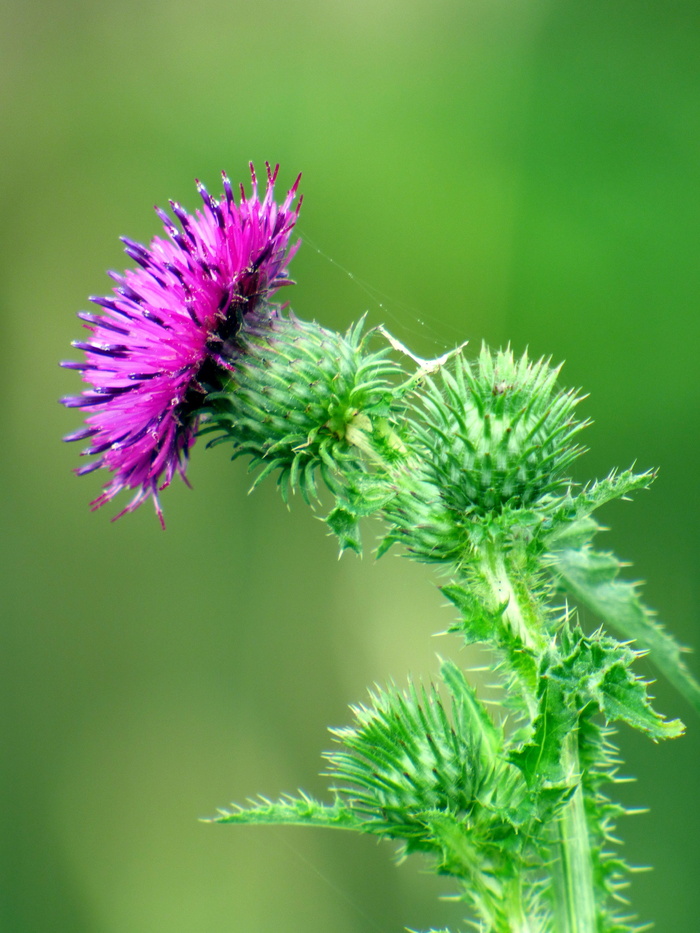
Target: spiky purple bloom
x=167, y=333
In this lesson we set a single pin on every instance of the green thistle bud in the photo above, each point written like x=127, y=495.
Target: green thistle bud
x=302, y=397
x=491, y=438
x=499, y=433
x=407, y=757
x=403, y=757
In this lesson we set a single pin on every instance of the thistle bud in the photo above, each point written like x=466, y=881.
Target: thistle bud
x=500, y=433
x=302, y=397
x=493, y=436
x=410, y=755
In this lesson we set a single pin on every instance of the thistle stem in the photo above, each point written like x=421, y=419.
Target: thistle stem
x=574, y=899
x=573, y=883
x=520, y=613
x=506, y=911
x=518, y=921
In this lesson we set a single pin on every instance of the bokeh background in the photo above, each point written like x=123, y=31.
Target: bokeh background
x=507, y=170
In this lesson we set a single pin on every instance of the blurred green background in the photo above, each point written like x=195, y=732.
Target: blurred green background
x=507, y=170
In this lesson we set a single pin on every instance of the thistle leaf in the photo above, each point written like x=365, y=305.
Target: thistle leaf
x=598, y=670
x=577, y=510
x=540, y=759
x=292, y=811
x=477, y=623
x=344, y=525
x=591, y=578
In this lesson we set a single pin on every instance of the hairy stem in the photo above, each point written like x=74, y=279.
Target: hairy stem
x=574, y=899
x=518, y=616
x=520, y=613
x=518, y=921
x=573, y=882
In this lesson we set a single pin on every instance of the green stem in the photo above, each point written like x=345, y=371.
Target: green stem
x=574, y=899
x=518, y=613
x=573, y=884
x=521, y=617
x=518, y=921
x=502, y=907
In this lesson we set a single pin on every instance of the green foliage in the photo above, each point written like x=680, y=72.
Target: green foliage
x=591, y=577
x=346, y=527
x=292, y=811
x=570, y=519
x=473, y=475
x=437, y=780
x=451, y=784
x=597, y=670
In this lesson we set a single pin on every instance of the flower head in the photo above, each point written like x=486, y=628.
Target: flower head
x=168, y=332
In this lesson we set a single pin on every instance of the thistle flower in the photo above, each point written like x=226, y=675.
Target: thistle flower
x=168, y=332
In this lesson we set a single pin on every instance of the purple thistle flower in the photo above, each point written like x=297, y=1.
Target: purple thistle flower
x=167, y=334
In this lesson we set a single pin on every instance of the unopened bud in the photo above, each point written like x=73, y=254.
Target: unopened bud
x=303, y=397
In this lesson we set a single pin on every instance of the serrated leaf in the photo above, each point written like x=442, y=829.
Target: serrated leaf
x=571, y=525
x=540, y=759
x=591, y=578
x=481, y=623
x=615, y=486
x=476, y=624
x=292, y=811
x=345, y=526
x=624, y=697
x=598, y=670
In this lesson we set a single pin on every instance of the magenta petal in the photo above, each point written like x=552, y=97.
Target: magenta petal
x=179, y=309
